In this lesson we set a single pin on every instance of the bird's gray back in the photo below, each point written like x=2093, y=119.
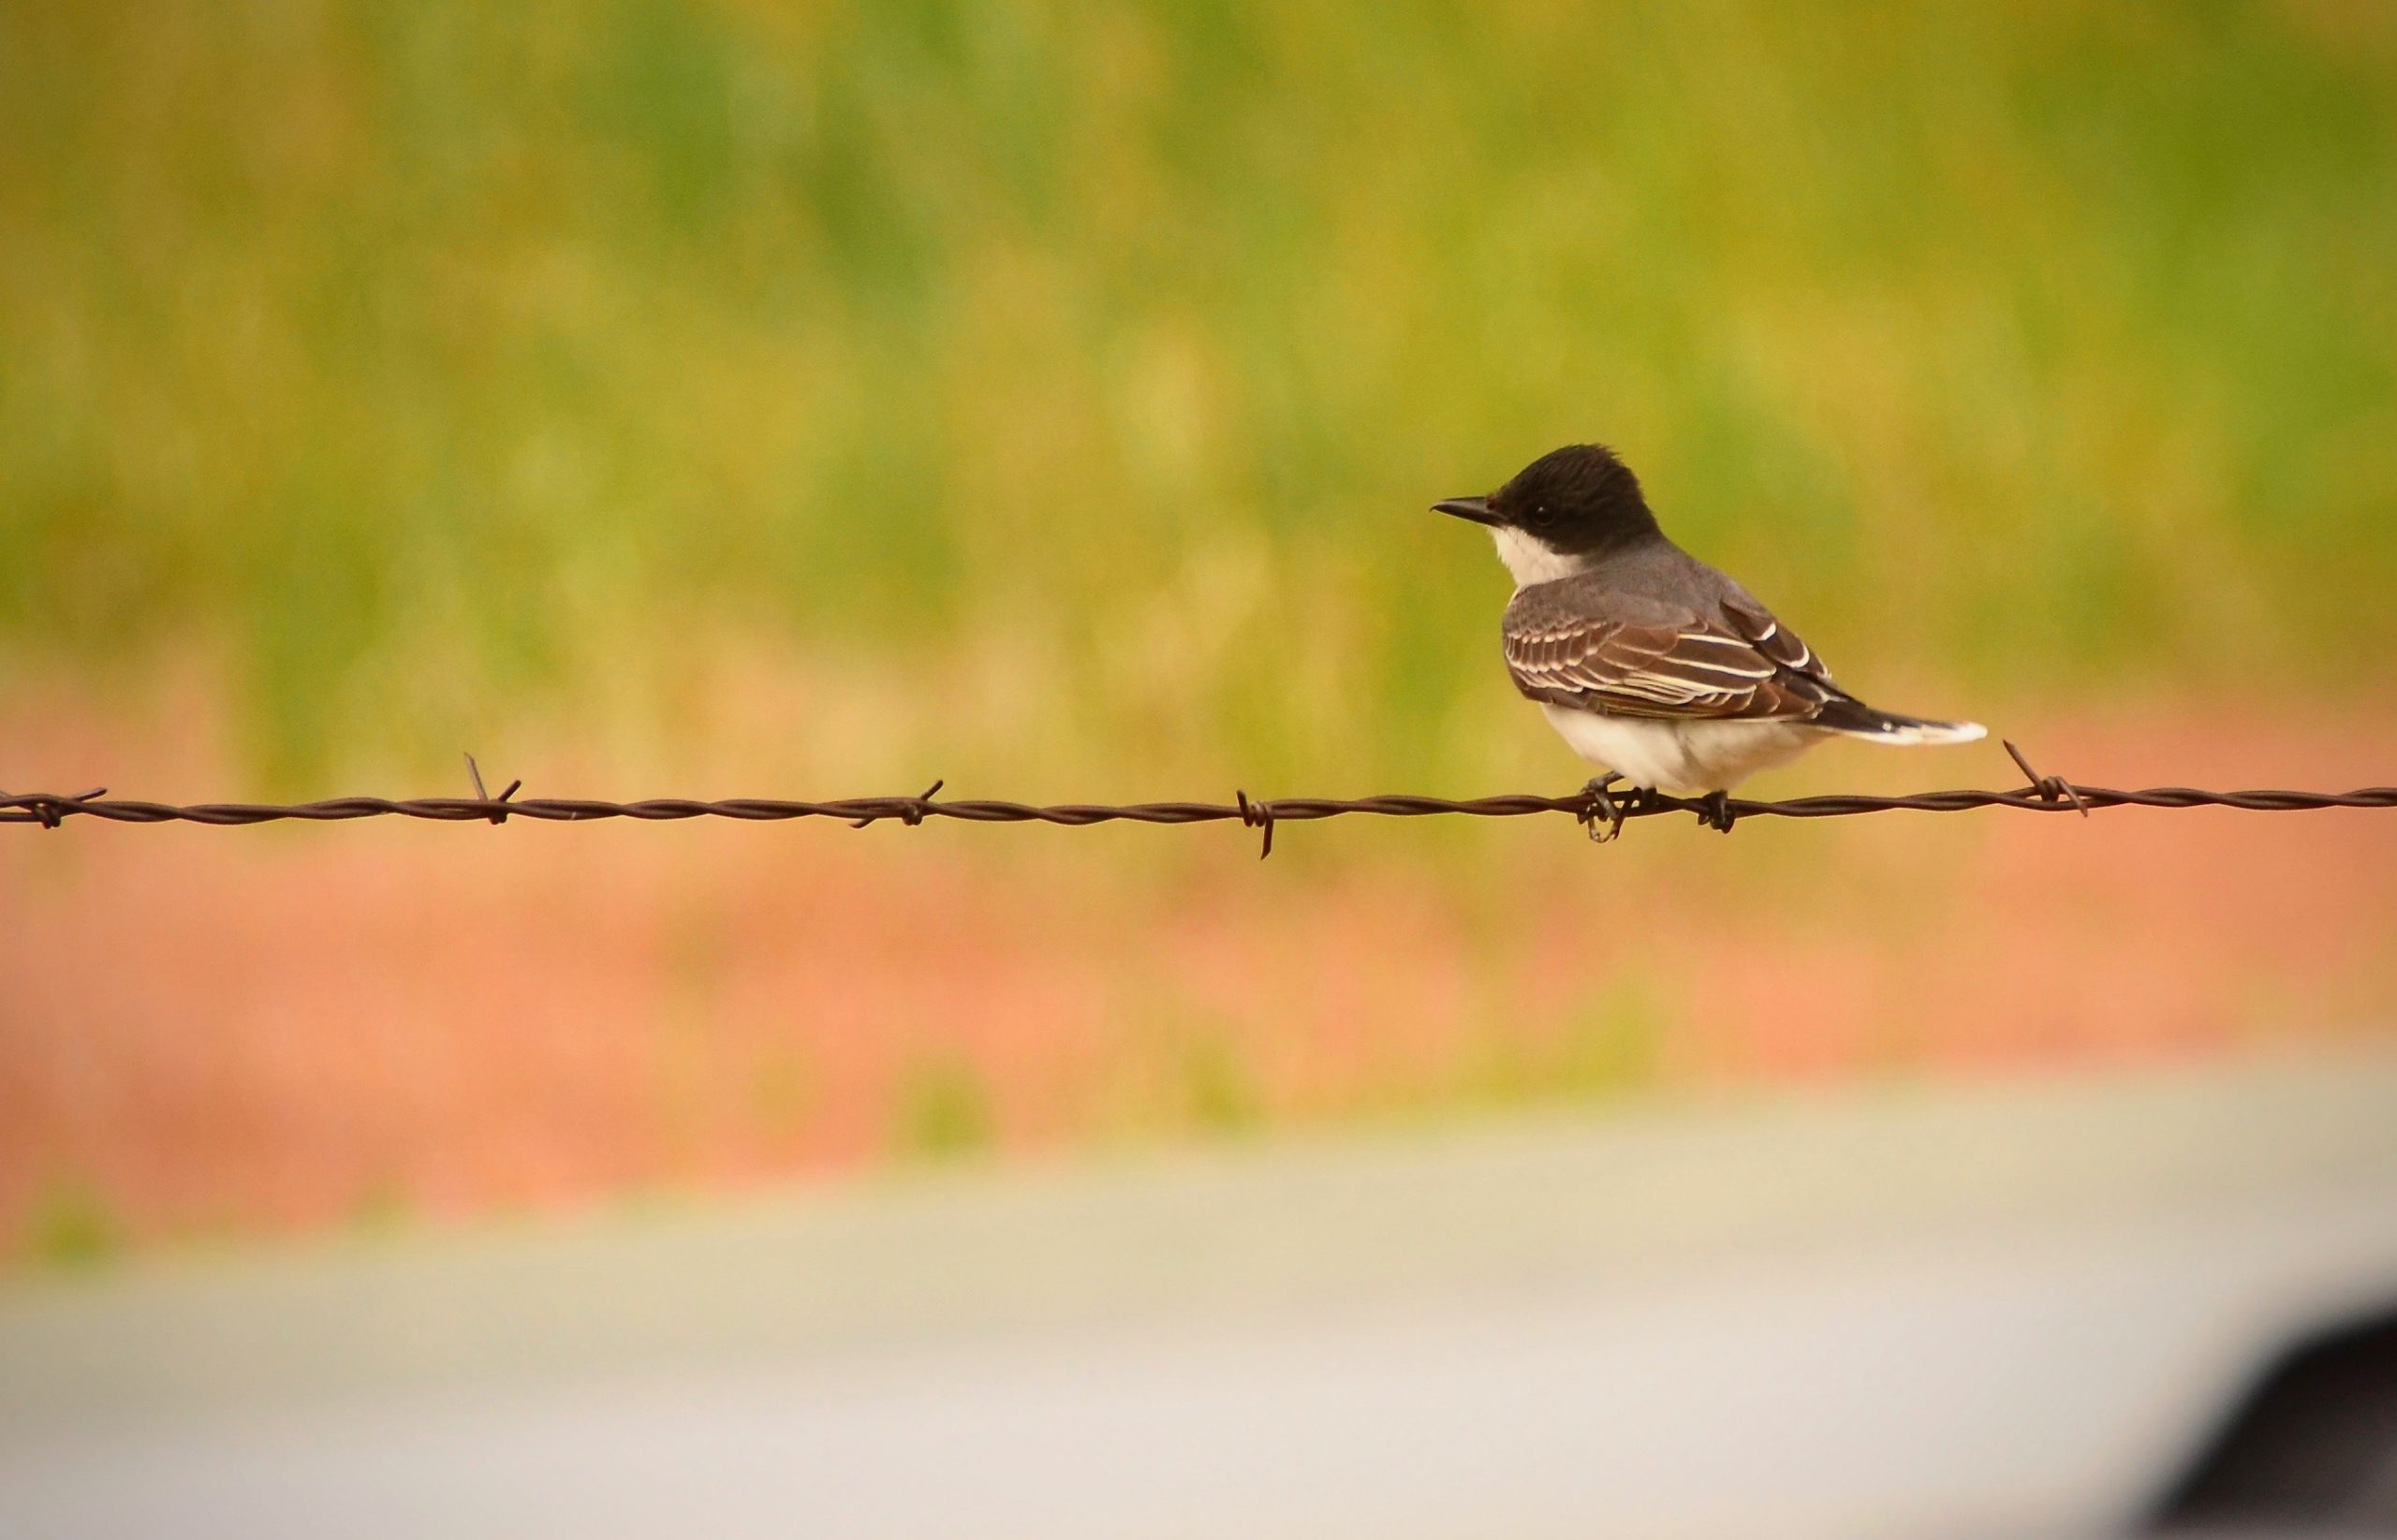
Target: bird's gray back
x=1655, y=582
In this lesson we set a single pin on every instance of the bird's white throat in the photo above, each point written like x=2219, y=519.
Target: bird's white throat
x=1530, y=560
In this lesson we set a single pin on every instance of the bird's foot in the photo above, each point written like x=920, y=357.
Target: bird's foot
x=1605, y=815
x=1715, y=812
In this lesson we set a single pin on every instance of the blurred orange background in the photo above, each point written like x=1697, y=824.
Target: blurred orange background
x=738, y=398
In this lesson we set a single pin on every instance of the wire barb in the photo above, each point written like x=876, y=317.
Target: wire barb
x=2053, y=788
x=911, y=810
x=46, y=810
x=1257, y=815
x=497, y=814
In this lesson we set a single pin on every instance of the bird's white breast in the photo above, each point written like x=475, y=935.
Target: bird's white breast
x=1684, y=758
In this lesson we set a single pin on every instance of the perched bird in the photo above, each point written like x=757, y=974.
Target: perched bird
x=1654, y=667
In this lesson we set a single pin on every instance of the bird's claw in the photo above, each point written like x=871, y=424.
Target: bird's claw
x=1604, y=816
x=1715, y=812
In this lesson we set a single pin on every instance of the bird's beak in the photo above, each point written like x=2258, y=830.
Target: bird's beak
x=1475, y=509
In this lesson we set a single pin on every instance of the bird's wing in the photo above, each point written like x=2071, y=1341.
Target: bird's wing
x=1637, y=657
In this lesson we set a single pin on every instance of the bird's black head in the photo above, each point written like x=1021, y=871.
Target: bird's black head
x=1576, y=501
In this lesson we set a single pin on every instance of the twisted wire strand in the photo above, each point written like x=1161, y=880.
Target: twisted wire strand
x=2044, y=794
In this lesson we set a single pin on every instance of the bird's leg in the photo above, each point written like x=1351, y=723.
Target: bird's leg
x=1604, y=810
x=1715, y=811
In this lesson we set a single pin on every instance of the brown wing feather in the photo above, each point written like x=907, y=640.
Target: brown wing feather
x=1773, y=639
x=1739, y=664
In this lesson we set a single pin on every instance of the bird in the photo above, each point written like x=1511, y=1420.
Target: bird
x=1659, y=670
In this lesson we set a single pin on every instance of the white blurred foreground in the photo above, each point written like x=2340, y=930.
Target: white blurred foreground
x=1935, y=1312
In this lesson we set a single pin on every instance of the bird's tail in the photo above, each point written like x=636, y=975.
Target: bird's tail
x=1858, y=719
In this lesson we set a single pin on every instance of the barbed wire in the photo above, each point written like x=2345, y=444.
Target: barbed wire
x=1601, y=812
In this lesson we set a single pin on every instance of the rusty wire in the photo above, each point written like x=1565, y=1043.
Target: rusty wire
x=2042, y=794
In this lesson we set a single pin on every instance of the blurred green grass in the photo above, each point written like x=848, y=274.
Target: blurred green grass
x=1073, y=378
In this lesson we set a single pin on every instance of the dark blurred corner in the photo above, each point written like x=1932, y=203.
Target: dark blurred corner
x=2312, y=1448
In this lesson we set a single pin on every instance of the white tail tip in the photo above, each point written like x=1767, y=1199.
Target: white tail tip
x=1930, y=732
